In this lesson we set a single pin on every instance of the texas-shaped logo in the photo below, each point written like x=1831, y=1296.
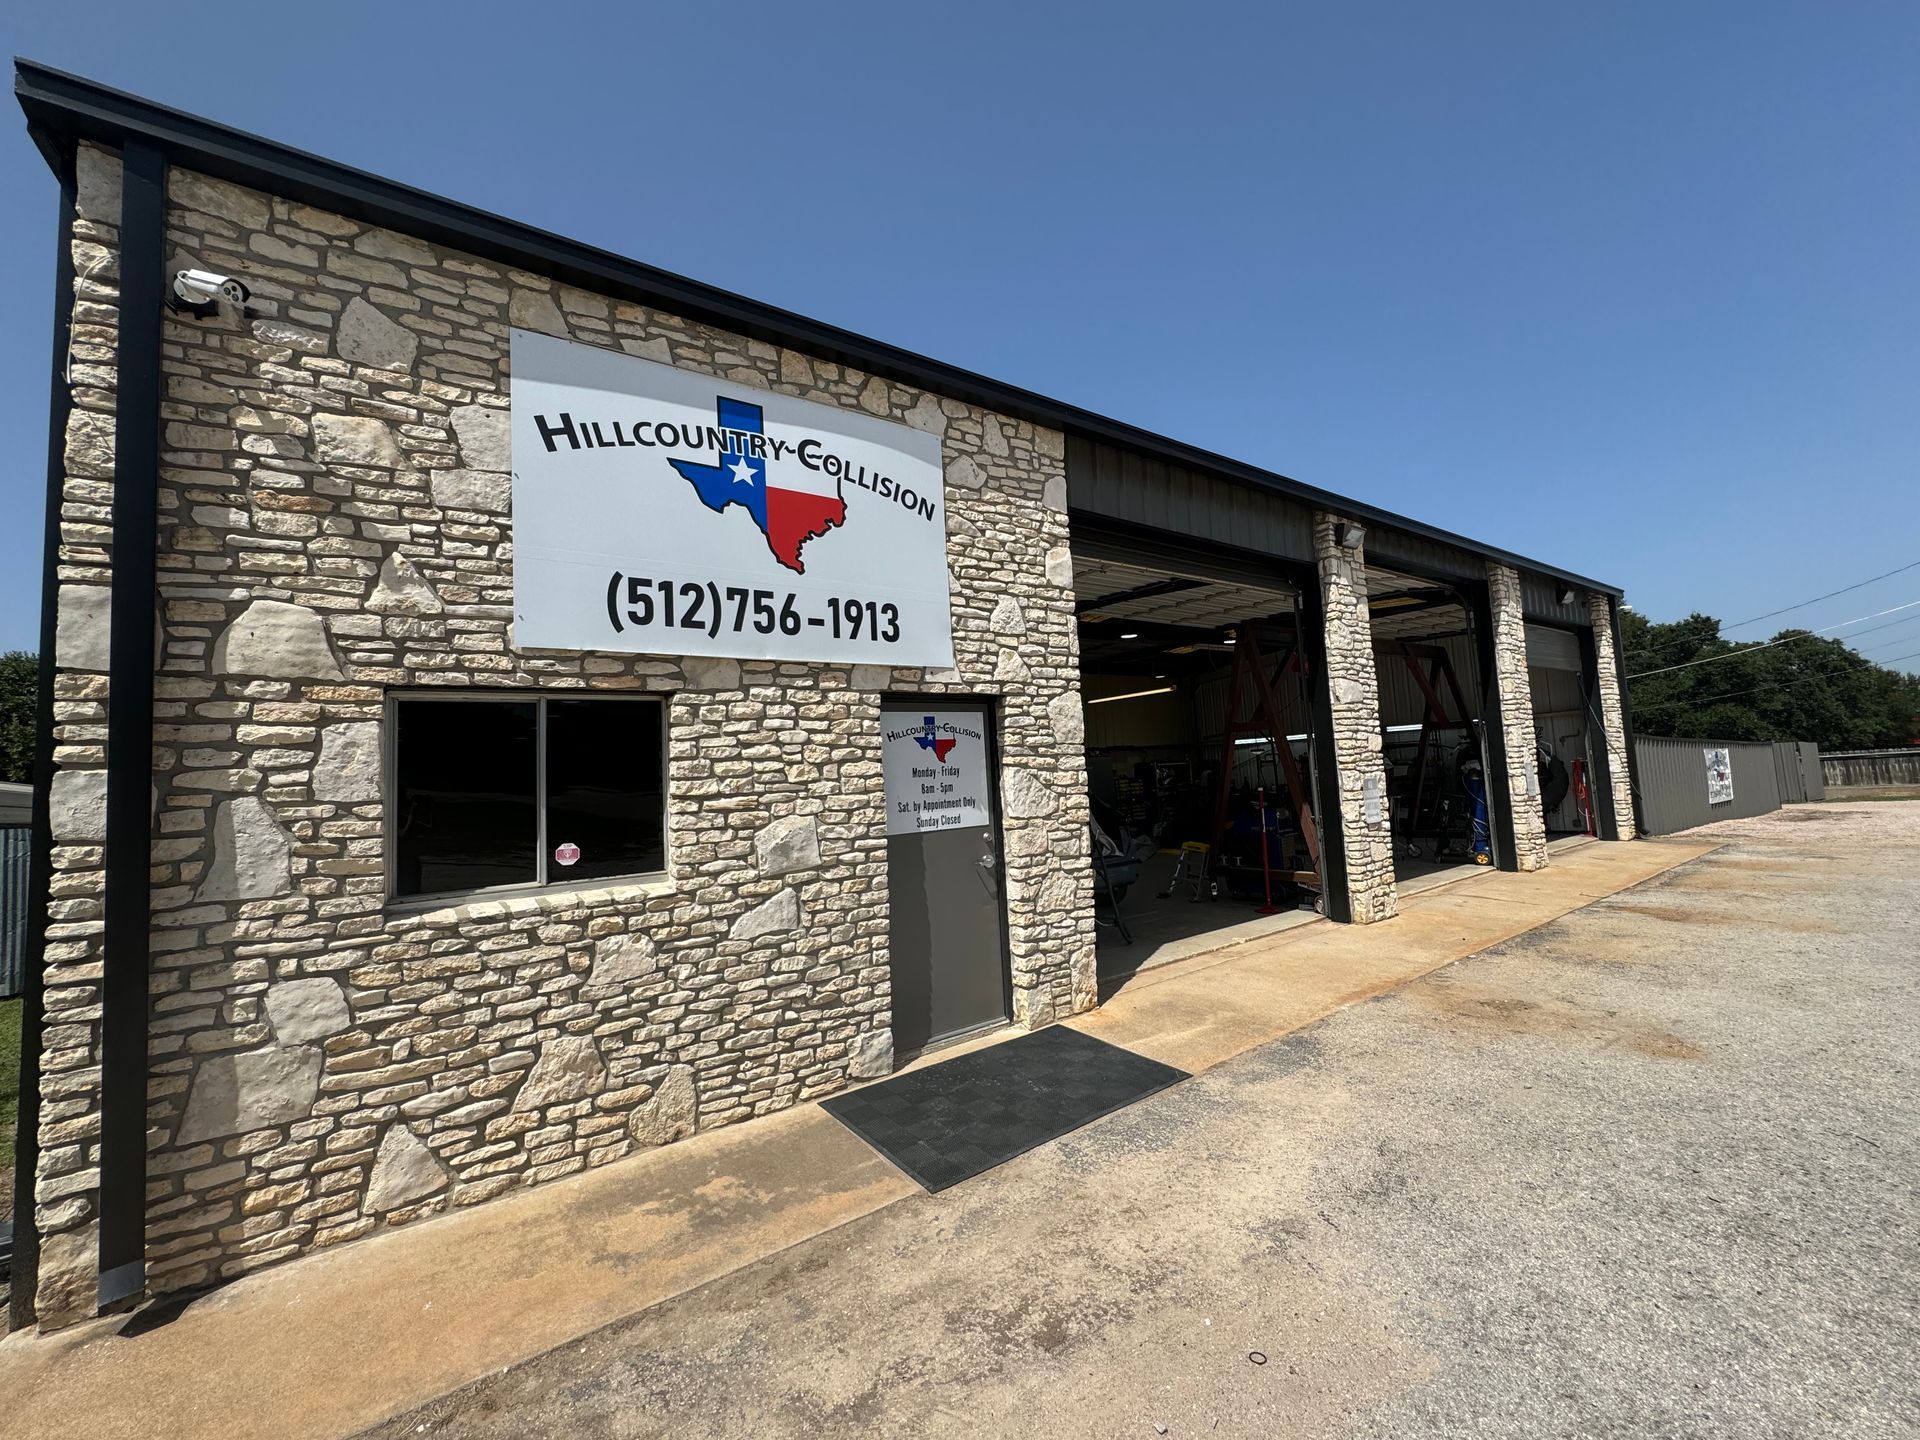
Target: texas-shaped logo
x=789, y=513
x=927, y=740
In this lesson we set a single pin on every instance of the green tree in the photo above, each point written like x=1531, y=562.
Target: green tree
x=19, y=703
x=1802, y=687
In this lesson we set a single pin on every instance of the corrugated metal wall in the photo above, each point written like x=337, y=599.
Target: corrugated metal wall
x=1120, y=485
x=1401, y=699
x=1673, y=782
x=16, y=844
x=1872, y=767
x=1540, y=599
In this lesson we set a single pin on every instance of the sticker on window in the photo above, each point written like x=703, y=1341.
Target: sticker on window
x=566, y=853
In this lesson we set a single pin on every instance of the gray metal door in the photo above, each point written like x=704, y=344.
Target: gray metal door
x=948, y=957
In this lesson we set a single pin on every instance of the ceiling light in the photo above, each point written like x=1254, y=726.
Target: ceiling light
x=1132, y=695
x=1131, y=635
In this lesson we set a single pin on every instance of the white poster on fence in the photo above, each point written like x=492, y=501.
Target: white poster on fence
x=1719, y=776
x=935, y=765
x=667, y=512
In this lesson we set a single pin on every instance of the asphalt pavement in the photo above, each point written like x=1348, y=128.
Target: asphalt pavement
x=1650, y=1169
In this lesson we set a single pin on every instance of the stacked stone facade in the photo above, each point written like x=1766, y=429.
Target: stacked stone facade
x=1366, y=832
x=1612, y=716
x=1516, y=717
x=336, y=528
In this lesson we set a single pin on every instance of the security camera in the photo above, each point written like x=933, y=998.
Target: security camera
x=202, y=293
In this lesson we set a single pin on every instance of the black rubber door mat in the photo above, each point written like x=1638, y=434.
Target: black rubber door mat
x=951, y=1121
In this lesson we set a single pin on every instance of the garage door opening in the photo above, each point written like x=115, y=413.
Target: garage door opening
x=1433, y=735
x=1563, y=726
x=1200, y=765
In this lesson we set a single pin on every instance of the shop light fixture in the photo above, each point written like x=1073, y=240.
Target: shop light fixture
x=1132, y=695
x=1131, y=635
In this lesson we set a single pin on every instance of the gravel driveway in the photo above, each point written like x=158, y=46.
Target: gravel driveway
x=1649, y=1170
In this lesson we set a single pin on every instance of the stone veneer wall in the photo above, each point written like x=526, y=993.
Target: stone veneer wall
x=67, y=1179
x=1516, y=717
x=1355, y=691
x=1600, y=611
x=334, y=503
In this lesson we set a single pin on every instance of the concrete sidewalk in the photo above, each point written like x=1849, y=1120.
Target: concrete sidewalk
x=334, y=1342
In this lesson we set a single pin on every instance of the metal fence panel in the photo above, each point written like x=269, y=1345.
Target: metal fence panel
x=1812, y=771
x=1673, y=782
x=16, y=845
x=1786, y=772
x=1872, y=767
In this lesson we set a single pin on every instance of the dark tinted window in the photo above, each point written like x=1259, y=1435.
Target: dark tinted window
x=604, y=792
x=464, y=808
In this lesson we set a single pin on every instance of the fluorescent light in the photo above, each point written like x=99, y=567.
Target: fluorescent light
x=1131, y=635
x=1132, y=695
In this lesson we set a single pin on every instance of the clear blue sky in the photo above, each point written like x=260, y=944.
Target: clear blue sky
x=1633, y=288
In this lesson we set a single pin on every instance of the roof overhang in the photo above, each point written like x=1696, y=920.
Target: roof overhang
x=63, y=109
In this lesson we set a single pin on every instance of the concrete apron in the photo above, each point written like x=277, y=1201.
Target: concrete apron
x=339, y=1340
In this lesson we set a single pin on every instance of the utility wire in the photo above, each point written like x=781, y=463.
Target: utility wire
x=1782, y=684
x=1769, y=644
x=1818, y=598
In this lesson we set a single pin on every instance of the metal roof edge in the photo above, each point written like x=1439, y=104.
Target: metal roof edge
x=75, y=108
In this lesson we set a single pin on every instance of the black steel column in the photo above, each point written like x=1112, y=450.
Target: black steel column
x=26, y=1139
x=128, y=857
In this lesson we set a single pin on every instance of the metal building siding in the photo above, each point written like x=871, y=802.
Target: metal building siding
x=1121, y=485
x=16, y=849
x=1673, y=782
x=1398, y=550
x=1539, y=600
x=1403, y=702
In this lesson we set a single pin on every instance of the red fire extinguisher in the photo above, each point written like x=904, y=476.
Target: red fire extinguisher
x=1581, y=799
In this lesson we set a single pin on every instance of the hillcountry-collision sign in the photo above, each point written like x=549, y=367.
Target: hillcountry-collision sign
x=665, y=512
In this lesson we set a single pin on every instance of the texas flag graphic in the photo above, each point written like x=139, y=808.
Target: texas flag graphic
x=789, y=514
x=927, y=740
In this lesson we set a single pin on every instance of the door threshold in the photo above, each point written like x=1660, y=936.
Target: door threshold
x=947, y=1042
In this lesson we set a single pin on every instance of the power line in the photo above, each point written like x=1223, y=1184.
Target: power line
x=1782, y=684
x=1769, y=644
x=1915, y=565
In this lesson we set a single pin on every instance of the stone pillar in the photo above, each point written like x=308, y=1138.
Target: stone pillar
x=1516, y=717
x=1600, y=609
x=1354, y=691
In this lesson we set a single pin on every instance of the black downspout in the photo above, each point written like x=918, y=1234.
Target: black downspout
x=1477, y=599
x=128, y=857
x=1336, y=902
x=1626, y=717
x=26, y=1140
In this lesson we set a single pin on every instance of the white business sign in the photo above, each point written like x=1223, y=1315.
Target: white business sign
x=935, y=764
x=666, y=512
x=1719, y=776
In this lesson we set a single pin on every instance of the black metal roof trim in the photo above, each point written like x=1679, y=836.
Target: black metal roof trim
x=73, y=108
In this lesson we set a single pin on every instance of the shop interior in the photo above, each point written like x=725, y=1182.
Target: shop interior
x=1197, y=717
x=1563, y=726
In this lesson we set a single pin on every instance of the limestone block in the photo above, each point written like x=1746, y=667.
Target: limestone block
x=777, y=913
x=1060, y=566
x=478, y=490
x=68, y=1286
x=710, y=672
x=620, y=960
x=403, y=590
x=928, y=416
x=278, y=640
x=253, y=1090
x=486, y=441
x=873, y=396
x=252, y=854
x=787, y=845
x=349, y=765
x=89, y=451
x=671, y=1112
x=657, y=349
x=96, y=174
x=1025, y=796
x=870, y=677
x=404, y=1170
x=368, y=337
x=870, y=1055
x=569, y=1068
x=82, y=631
x=307, y=1010
x=535, y=310
x=216, y=197
x=1032, y=1008
x=1011, y=668
x=961, y=471
x=1008, y=618
x=992, y=438
x=1054, y=494
x=1067, y=715
x=78, y=805
x=356, y=440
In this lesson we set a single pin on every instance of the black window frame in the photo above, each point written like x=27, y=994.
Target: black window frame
x=547, y=882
